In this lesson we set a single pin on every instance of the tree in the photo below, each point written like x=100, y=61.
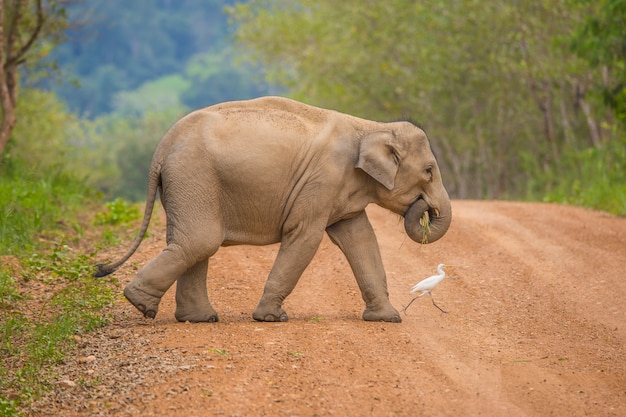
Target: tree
x=495, y=84
x=601, y=40
x=24, y=24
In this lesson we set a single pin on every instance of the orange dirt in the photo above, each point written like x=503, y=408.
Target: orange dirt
x=536, y=327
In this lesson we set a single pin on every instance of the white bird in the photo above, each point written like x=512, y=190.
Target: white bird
x=427, y=285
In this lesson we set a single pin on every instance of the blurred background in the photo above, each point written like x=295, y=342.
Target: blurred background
x=521, y=99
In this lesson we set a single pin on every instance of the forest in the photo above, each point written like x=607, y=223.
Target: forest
x=521, y=100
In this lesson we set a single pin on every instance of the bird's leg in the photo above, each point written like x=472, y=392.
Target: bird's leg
x=411, y=302
x=433, y=300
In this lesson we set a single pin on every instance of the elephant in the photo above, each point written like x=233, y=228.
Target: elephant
x=275, y=170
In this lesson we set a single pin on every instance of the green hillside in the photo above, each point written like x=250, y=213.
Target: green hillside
x=131, y=56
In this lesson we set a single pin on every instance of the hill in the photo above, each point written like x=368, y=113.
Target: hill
x=131, y=56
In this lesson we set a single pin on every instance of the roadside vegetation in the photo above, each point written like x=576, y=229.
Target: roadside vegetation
x=50, y=233
x=54, y=227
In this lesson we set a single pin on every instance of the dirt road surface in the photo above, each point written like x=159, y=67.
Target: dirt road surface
x=536, y=326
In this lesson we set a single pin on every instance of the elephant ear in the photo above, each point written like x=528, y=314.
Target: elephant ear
x=378, y=157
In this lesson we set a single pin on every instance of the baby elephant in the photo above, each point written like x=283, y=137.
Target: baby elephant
x=273, y=170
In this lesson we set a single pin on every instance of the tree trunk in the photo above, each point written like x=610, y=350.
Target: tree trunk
x=545, y=105
x=8, y=109
x=594, y=129
x=12, y=52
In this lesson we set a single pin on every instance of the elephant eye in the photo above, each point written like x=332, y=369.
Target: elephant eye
x=429, y=172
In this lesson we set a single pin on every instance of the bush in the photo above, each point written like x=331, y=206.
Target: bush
x=593, y=178
x=119, y=211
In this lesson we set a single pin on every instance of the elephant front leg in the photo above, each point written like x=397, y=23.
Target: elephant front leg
x=296, y=252
x=356, y=239
x=192, y=299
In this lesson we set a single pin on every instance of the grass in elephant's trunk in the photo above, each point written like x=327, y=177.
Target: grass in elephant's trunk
x=425, y=223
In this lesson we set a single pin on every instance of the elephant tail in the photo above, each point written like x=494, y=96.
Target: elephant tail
x=154, y=182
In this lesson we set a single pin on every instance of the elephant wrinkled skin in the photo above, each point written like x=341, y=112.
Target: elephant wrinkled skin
x=275, y=170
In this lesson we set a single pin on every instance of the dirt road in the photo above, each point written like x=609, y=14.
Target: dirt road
x=536, y=327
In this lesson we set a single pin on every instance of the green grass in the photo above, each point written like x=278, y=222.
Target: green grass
x=593, y=178
x=47, y=292
x=598, y=182
x=221, y=352
x=30, y=204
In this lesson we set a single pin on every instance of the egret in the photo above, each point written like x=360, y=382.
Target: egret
x=427, y=285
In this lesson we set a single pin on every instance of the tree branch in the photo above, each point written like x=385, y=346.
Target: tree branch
x=18, y=56
x=8, y=117
x=12, y=29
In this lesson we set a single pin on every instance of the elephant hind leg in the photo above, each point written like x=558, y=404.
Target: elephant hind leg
x=154, y=279
x=192, y=300
x=194, y=234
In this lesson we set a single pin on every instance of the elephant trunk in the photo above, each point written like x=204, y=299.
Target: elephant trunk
x=423, y=229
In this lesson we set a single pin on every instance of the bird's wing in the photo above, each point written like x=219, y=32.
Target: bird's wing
x=422, y=285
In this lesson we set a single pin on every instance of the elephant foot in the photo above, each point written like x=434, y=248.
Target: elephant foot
x=388, y=314
x=146, y=303
x=196, y=316
x=263, y=314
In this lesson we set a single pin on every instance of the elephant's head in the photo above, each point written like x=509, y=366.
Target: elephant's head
x=408, y=181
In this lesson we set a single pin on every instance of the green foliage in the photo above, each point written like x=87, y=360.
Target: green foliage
x=139, y=69
x=40, y=134
x=8, y=408
x=47, y=293
x=495, y=85
x=155, y=96
x=594, y=178
x=111, y=154
x=215, y=77
x=119, y=211
x=49, y=139
x=131, y=142
x=600, y=40
x=36, y=62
